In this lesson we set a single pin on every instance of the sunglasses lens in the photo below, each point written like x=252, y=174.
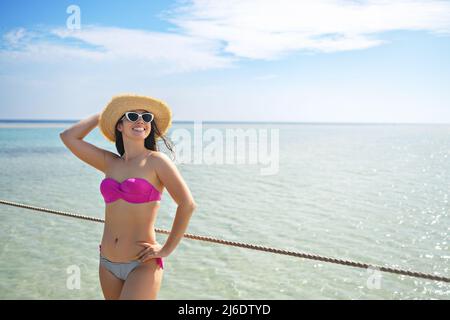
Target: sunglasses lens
x=147, y=117
x=132, y=116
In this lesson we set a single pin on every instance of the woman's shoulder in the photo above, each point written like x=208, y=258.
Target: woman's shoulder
x=160, y=157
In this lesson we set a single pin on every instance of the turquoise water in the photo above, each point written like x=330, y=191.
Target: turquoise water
x=371, y=193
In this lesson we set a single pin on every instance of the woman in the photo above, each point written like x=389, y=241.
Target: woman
x=131, y=260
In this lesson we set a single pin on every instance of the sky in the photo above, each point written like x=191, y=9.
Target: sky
x=248, y=60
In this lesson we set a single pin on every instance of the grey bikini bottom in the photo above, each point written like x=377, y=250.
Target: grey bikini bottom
x=120, y=269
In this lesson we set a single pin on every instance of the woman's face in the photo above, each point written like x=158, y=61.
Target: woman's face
x=132, y=130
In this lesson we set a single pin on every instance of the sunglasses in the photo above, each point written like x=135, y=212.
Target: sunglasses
x=134, y=116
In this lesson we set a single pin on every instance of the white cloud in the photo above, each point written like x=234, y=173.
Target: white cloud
x=186, y=53
x=255, y=29
x=165, y=52
x=14, y=37
x=267, y=29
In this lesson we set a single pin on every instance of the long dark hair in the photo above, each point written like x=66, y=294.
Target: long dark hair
x=149, y=142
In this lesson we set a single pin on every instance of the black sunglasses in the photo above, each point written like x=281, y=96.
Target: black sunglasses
x=134, y=116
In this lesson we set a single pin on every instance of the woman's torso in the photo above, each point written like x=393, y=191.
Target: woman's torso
x=125, y=222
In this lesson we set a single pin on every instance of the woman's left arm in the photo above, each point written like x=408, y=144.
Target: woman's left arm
x=174, y=183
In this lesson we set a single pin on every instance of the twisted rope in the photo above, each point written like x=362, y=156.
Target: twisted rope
x=350, y=263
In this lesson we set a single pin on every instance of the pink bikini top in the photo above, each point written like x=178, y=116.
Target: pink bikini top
x=134, y=190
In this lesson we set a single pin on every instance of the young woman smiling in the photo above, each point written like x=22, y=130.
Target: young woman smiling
x=131, y=260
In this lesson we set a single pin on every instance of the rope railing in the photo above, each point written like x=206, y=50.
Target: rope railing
x=350, y=263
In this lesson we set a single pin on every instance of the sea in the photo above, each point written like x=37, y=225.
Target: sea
x=371, y=193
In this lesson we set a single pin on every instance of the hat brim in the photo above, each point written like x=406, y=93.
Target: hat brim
x=120, y=104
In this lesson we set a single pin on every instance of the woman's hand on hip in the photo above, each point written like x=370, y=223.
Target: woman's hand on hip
x=150, y=251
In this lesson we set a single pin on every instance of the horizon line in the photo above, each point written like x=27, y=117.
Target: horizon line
x=226, y=121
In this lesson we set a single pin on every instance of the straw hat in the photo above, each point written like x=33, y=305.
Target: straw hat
x=120, y=104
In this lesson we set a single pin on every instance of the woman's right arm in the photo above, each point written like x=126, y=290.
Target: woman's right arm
x=73, y=136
